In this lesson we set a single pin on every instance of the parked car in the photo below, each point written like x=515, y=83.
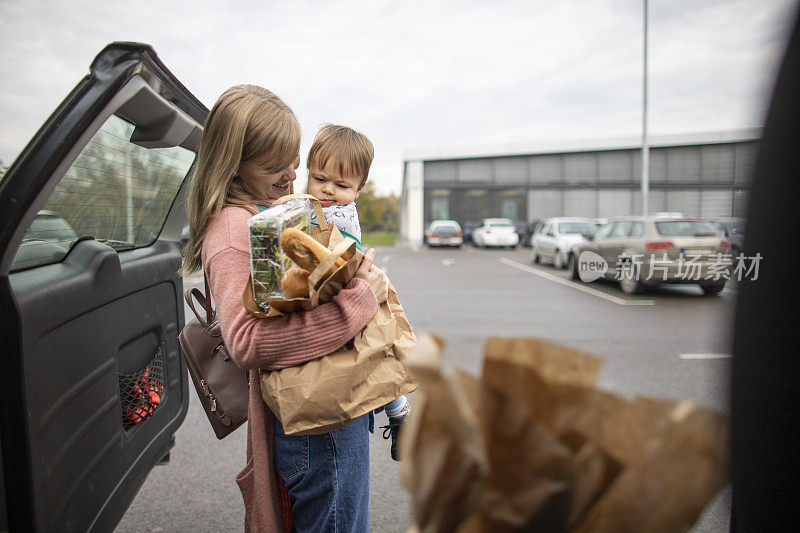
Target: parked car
x=734, y=230
x=526, y=237
x=468, y=229
x=90, y=217
x=497, y=232
x=556, y=238
x=184, y=237
x=444, y=233
x=48, y=236
x=50, y=226
x=646, y=251
x=521, y=227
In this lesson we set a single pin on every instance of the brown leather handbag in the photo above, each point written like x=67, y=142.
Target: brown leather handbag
x=222, y=386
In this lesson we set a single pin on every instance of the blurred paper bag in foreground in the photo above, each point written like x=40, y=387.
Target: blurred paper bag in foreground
x=534, y=445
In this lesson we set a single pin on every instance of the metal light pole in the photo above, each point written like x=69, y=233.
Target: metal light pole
x=645, y=146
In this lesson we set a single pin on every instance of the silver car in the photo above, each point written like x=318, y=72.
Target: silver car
x=444, y=233
x=557, y=237
x=643, y=252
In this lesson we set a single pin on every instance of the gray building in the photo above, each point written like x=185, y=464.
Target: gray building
x=703, y=174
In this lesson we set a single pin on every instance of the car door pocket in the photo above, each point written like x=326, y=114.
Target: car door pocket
x=141, y=391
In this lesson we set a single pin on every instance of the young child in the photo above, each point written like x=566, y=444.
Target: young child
x=338, y=167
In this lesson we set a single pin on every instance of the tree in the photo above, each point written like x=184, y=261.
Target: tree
x=377, y=213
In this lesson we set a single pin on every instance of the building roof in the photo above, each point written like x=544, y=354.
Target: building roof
x=593, y=145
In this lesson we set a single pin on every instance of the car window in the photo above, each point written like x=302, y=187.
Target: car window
x=686, y=228
x=446, y=229
x=622, y=229
x=115, y=192
x=637, y=230
x=576, y=227
x=550, y=230
x=603, y=231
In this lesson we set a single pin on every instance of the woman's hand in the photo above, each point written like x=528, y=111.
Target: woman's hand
x=377, y=279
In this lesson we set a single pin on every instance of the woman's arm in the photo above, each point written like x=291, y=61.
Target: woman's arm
x=275, y=343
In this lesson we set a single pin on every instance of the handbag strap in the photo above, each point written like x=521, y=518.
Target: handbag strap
x=207, y=302
x=323, y=224
x=204, y=299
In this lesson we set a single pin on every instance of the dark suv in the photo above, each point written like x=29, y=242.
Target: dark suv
x=733, y=229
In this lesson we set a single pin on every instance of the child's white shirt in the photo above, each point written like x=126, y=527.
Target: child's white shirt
x=345, y=217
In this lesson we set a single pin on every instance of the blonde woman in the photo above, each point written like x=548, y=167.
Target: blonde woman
x=248, y=156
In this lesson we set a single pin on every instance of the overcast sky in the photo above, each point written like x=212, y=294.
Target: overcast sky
x=415, y=74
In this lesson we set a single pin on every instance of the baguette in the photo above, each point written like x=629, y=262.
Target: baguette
x=295, y=282
x=304, y=250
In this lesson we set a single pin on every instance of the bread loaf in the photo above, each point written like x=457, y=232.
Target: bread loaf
x=304, y=250
x=295, y=282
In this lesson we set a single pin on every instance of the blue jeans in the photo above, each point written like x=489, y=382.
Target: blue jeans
x=327, y=476
x=394, y=405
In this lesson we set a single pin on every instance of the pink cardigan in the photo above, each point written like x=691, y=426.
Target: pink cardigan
x=270, y=344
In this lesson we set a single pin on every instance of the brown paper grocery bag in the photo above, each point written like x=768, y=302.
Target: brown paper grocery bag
x=327, y=393
x=533, y=445
x=444, y=460
x=673, y=453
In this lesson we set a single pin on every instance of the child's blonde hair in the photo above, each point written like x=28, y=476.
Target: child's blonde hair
x=352, y=151
x=246, y=122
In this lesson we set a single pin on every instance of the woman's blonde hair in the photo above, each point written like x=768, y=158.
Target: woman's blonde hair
x=246, y=122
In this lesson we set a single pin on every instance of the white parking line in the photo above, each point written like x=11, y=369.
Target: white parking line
x=576, y=286
x=705, y=356
x=447, y=262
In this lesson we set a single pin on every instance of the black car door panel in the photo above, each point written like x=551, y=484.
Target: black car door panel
x=94, y=386
x=77, y=411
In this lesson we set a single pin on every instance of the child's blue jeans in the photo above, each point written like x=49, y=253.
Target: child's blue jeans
x=393, y=405
x=327, y=476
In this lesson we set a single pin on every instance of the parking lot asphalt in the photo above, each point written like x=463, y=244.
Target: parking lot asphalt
x=673, y=343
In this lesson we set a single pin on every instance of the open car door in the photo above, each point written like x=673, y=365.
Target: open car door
x=93, y=383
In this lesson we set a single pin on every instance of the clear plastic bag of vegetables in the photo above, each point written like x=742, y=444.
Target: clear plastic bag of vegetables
x=268, y=262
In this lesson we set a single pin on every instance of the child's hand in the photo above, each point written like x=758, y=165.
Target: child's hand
x=373, y=275
x=366, y=264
